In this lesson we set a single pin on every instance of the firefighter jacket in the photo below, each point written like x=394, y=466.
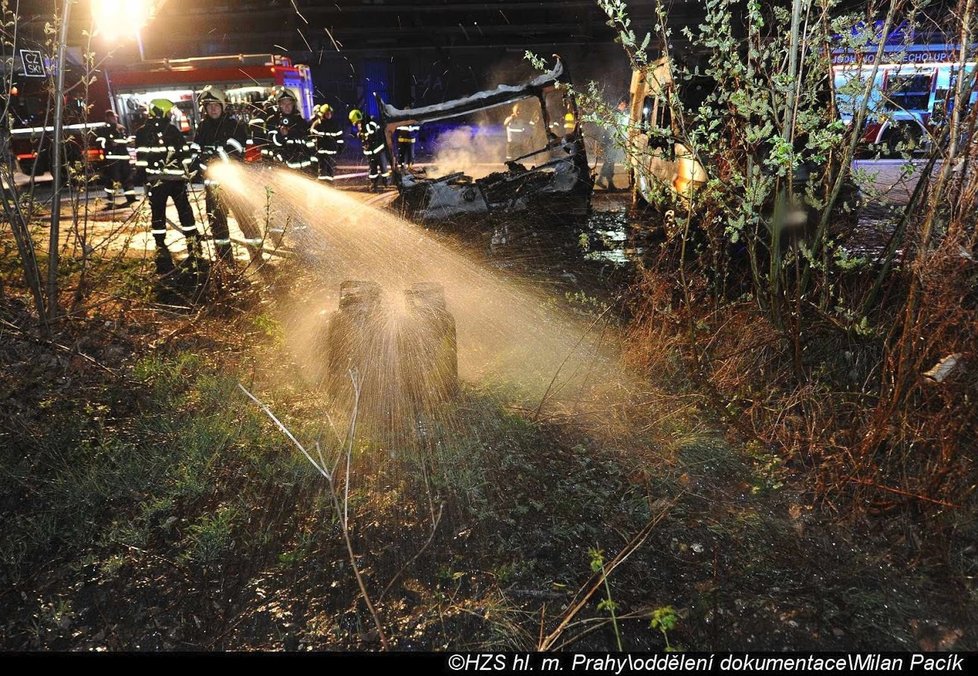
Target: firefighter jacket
x=371, y=137
x=257, y=133
x=288, y=140
x=114, y=142
x=516, y=129
x=327, y=135
x=407, y=134
x=163, y=151
x=219, y=140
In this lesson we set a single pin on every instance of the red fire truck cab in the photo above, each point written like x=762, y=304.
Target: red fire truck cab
x=248, y=80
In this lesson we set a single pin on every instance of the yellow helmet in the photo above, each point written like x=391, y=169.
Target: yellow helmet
x=569, y=117
x=355, y=116
x=323, y=108
x=160, y=107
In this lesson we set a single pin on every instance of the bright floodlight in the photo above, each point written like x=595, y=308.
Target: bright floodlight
x=118, y=18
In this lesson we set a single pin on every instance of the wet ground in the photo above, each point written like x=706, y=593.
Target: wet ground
x=744, y=574
x=597, y=253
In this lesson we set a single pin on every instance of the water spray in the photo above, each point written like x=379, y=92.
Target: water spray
x=404, y=357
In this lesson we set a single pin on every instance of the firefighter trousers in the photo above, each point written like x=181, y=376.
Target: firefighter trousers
x=117, y=176
x=217, y=215
x=159, y=193
x=405, y=153
x=327, y=166
x=377, y=170
x=220, y=203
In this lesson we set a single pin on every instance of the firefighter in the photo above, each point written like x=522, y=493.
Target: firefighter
x=166, y=156
x=407, y=136
x=517, y=130
x=327, y=135
x=614, y=134
x=221, y=138
x=257, y=132
x=288, y=134
x=570, y=123
x=374, y=146
x=116, y=172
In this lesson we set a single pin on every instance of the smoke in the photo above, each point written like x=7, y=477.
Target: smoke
x=475, y=150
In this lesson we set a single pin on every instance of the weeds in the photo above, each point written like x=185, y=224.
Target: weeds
x=664, y=620
x=816, y=351
x=607, y=603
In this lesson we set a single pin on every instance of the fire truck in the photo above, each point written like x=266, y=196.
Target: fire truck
x=249, y=80
x=30, y=125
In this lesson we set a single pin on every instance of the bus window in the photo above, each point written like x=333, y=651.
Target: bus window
x=952, y=90
x=908, y=92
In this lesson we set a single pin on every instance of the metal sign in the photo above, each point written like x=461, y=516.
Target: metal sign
x=33, y=63
x=896, y=57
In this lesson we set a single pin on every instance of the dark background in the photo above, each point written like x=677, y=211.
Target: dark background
x=410, y=52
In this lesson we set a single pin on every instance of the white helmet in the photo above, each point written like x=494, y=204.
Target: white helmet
x=287, y=93
x=209, y=94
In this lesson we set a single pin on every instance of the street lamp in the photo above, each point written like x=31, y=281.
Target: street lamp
x=115, y=19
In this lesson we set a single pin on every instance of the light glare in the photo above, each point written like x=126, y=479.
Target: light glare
x=117, y=18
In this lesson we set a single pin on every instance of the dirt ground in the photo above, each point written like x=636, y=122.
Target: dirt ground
x=149, y=505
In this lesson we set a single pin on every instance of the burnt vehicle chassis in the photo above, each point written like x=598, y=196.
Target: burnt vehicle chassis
x=560, y=187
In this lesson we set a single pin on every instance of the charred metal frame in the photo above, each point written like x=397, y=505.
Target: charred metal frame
x=531, y=186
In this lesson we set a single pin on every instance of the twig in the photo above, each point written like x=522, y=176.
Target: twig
x=898, y=491
x=596, y=581
x=160, y=342
x=597, y=623
x=342, y=511
x=286, y=432
x=59, y=346
x=567, y=357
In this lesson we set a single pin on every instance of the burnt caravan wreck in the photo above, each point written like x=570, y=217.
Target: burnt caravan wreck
x=549, y=176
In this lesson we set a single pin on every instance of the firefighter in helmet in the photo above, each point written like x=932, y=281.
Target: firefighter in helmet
x=113, y=140
x=407, y=137
x=517, y=131
x=288, y=133
x=166, y=156
x=219, y=139
x=257, y=131
x=374, y=147
x=327, y=135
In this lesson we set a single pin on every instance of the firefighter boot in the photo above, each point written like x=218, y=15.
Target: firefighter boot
x=164, y=261
x=225, y=254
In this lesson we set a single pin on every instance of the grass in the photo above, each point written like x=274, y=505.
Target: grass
x=159, y=509
x=195, y=480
